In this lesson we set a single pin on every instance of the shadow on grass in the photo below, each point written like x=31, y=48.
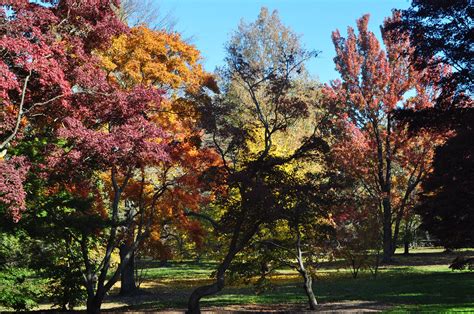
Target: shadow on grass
x=429, y=258
x=437, y=290
x=403, y=288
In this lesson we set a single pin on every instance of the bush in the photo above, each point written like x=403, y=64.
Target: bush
x=66, y=283
x=19, y=289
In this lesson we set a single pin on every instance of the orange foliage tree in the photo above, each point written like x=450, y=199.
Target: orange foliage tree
x=164, y=61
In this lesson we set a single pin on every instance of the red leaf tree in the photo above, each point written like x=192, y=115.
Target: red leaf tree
x=32, y=87
x=52, y=81
x=42, y=46
x=388, y=162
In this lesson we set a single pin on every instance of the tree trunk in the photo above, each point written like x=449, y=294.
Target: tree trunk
x=127, y=275
x=238, y=242
x=399, y=217
x=396, y=231
x=407, y=247
x=201, y=292
x=388, y=245
x=308, y=280
x=94, y=303
x=308, y=288
x=387, y=231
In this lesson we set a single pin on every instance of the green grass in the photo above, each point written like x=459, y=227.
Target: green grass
x=419, y=282
x=406, y=289
x=181, y=271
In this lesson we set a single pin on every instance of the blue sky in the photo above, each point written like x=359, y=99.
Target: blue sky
x=210, y=22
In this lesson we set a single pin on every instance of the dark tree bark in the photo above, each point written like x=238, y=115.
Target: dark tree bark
x=387, y=231
x=94, y=303
x=98, y=283
x=406, y=247
x=239, y=240
x=95, y=298
x=218, y=285
x=127, y=276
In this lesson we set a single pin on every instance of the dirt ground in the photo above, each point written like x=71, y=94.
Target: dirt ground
x=335, y=307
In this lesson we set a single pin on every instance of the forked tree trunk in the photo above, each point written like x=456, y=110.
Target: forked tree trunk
x=127, y=276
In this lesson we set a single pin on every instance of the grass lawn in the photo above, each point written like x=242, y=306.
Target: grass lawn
x=419, y=282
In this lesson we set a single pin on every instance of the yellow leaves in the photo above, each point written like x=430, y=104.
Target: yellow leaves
x=284, y=144
x=107, y=63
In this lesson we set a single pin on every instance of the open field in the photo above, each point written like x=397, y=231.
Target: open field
x=421, y=281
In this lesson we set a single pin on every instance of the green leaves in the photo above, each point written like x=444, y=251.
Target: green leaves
x=19, y=289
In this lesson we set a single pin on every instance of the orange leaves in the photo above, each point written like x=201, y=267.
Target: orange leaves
x=165, y=190
x=374, y=147
x=154, y=58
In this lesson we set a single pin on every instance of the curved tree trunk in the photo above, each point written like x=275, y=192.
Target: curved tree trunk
x=308, y=288
x=238, y=242
x=308, y=279
x=201, y=292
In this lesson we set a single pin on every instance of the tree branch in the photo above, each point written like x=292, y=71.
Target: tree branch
x=20, y=115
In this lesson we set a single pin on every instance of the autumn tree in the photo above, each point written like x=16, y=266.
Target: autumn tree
x=53, y=76
x=162, y=60
x=383, y=155
x=111, y=140
x=358, y=228
x=33, y=87
x=264, y=59
x=99, y=128
x=305, y=191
